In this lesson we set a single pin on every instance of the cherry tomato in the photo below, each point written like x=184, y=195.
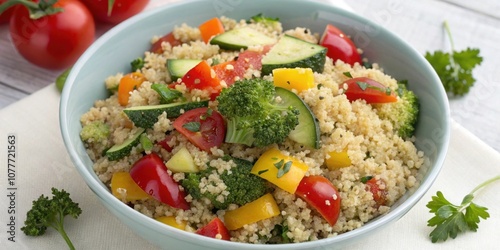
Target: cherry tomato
x=169, y=38
x=150, y=173
x=208, y=131
x=379, y=195
x=214, y=227
x=320, y=193
x=5, y=16
x=55, y=41
x=122, y=9
x=339, y=45
x=369, y=90
x=232, y=70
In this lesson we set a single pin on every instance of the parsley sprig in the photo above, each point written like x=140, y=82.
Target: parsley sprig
x=451, y=219
x=455, y=68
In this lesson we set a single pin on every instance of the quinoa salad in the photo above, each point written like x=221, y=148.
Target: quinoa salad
x=243, y=131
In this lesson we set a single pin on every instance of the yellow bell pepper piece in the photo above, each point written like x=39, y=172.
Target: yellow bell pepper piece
x=283, y=171
x=298, y=78
x=123, y=181
x=338, y=160
x=171, y=221
x=263, y=208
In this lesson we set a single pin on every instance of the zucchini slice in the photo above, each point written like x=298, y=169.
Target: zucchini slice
x=121, y=150
x=241, y=38
x=177, y=68
x=291, y=52
x=307, y=131
x=147, y=116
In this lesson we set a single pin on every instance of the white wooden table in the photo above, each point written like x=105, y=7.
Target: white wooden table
x=473, y=24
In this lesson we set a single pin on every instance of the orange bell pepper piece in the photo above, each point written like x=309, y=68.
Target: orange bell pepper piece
x=128, y=83
x=123, y=181
x=263, y=208
x=211, y=28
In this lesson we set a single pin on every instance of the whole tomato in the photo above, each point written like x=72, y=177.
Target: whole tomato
x=53, y=41
x=5, y=16
x=121, y=9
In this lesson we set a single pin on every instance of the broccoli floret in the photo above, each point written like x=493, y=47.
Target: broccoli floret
x=255, y=116
x=404, y=113
x=95, y=131
x=47, y=212
x=242, y=186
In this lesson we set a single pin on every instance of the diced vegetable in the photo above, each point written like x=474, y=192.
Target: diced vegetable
x=121, y=150
x=338, y=160
x=307, y=131
x=263, y=208
x=171, y=221
x=168, y=38
x=166, y=94
x=320, y=193
x=291, y=52
x=298, y=78
x=339, y=45
x=150, y=173
x=286, y=172
x=241, y=38
x=177, y=68
x=128, y=83
x=211, y=28
x=369, y=90
x=147, y=116
x=182, y=161
x=215, y=229
x=123, y=186
x=374, y=186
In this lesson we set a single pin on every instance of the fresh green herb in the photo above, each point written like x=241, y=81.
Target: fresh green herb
x=146, y=143
x=363, y=86
x=455, y=68
x=279, y=164
x=319, y=86
x=167, y=94
x=136, y=64
x=348, y=74
x=192, y=126
x=450, y=219
x=206, y=114
x=262, y=171
x=367, y=65
x=47, y=212
x=61, y=79
x=215, y=61
x=365, y=179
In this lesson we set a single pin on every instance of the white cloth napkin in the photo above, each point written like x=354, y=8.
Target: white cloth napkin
x=42, y=163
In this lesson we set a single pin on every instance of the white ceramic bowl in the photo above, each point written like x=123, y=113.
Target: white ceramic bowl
x=114, y=50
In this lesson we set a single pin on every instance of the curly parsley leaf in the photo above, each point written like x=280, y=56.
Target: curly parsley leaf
x=455, y=68
x=449, y=219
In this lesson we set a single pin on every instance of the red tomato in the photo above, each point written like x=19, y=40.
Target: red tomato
x=339, y=45
x=5, y=16
x=122, y=9
x=238, y=67
x=320, y=193
x=55, y=41
x=214, y=227
x=164, y=143
x=150, y=173
x=169, y=38
x=201, y=77
x=369, y=90
x=211, y=130
x=379, y=195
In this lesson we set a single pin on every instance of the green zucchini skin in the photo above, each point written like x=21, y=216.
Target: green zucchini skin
x=177, y=68
x=147, y=116
x=307, y=131
x=121, y=150
x=241, y=38
x=291, y=52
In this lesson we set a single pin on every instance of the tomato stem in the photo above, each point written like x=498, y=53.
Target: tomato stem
x=37, y=10
x=110, y=6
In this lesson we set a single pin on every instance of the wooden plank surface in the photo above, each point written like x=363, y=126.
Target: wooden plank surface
x=473, y=23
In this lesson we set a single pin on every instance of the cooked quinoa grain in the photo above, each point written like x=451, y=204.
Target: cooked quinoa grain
x=375, y=151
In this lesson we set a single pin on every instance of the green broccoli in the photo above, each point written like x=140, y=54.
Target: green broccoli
x=243, y=187
x=404, y=113
x=95, y=131
x=50, y=213
x=255, y=117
